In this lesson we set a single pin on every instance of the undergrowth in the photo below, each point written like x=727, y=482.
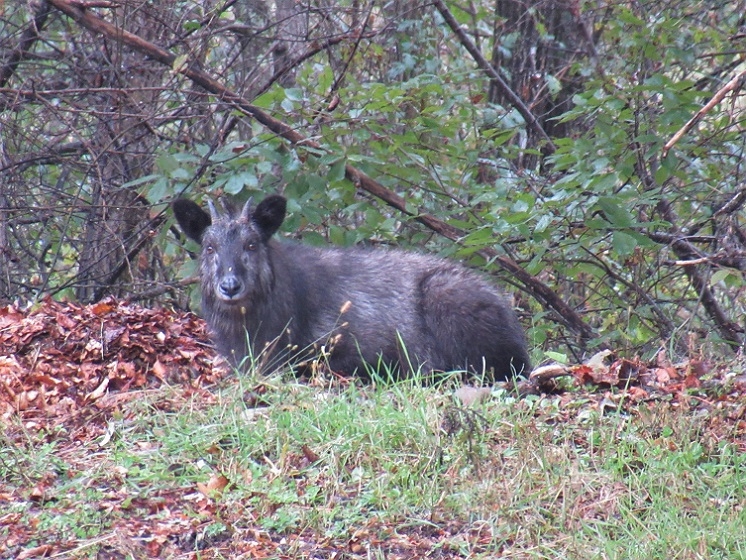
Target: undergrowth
x=539, y=477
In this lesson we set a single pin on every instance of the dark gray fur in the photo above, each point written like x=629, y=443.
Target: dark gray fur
x=289, y=297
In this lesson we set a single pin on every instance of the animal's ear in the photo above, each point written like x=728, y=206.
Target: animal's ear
x=269, y=214
x=191, y=218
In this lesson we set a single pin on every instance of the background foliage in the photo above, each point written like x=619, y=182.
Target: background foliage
x=531, y=133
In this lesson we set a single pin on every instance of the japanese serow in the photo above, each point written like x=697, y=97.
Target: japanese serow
x=365, y=307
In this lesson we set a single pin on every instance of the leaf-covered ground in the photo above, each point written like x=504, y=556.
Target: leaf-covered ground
x=74, y=379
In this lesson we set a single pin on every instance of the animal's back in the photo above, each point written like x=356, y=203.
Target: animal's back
x=405, y=308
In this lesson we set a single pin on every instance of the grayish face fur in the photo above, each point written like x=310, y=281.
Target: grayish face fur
x=233, y=264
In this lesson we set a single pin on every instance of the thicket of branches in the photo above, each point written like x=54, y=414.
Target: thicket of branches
x=590, y=155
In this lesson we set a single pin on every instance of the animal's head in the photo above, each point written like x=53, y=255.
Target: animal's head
x=234, y=264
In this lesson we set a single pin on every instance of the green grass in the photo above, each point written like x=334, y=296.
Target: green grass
x=512, y=478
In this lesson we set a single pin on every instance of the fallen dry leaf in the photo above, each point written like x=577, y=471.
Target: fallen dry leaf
x=597, y=361
x=59, y=357
x=309, y=454
x=472, y=395
x=214, y=487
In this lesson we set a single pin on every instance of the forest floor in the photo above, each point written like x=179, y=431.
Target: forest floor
x=124, y=437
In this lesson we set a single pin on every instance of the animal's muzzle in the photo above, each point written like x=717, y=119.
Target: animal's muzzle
x=230, y=287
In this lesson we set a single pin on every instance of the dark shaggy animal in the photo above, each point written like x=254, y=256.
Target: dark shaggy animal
x=405, y=310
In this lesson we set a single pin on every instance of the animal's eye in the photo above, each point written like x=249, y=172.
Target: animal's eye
x=251, y=247
x=209, y=249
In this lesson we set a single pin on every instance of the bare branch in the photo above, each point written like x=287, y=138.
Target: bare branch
x=316, y=47
x=29, y=36
x=729, y=330
x=735, y=84
x=734, y=204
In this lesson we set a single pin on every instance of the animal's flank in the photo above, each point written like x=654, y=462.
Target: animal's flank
x=375, y=306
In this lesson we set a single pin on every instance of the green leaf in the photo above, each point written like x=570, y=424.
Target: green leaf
x=167, y=163
x=544, y=221
x=179, y=63
x=294, y=94
x=727, y=275
x=337, y=235
x=479, y=237
x=337, y=171
x=158, y=191
x=141, y=180
x=615, y=213
x=604, y=182
x=557, y=357
x=623, y=243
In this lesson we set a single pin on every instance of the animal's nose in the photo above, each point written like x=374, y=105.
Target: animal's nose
x=230, y=286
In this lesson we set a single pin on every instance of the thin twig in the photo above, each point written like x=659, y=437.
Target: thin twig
x=734, y=84
x=28, y=37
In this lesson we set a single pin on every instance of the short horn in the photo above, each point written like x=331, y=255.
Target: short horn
x=213, y=212
x=246, y=212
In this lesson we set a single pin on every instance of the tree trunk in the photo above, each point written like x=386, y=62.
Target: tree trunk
x=535, y=44
x=122, y=147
